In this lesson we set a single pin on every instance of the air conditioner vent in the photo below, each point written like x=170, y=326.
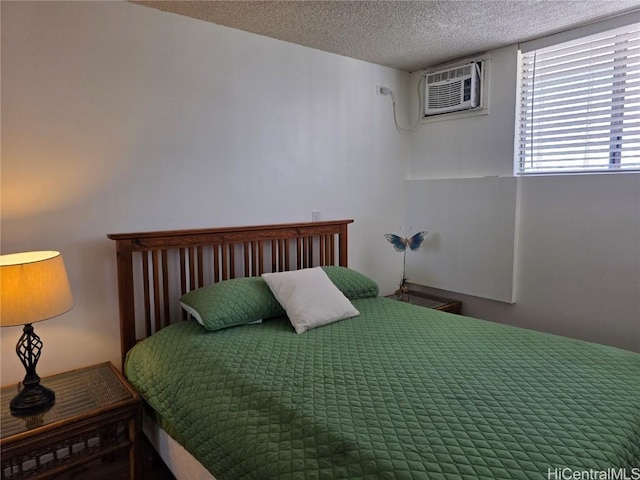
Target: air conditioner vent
x=452, y=90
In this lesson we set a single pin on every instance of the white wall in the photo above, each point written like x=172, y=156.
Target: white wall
x=117, y=117
x=474, y=146
x=472, y=225
x=578, y=262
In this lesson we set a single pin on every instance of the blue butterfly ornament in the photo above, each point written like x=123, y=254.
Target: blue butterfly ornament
x=400, y=244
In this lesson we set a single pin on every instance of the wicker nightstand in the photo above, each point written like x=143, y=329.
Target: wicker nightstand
x=430, y=301
x=95, y=417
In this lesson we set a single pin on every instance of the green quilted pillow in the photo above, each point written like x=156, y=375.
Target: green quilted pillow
x=231, y=302
x=351, y=283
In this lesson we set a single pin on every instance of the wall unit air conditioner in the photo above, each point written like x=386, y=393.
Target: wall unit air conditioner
x=452, y=90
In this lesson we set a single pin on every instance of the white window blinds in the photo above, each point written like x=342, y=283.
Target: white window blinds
x=580, y=105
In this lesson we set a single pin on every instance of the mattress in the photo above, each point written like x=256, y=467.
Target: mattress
x=181, y=463
x=400, y=392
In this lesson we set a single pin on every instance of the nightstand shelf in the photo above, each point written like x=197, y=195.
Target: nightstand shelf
x=96, y=416
x=430, y=301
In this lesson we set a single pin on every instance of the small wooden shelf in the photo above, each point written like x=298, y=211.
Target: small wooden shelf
x=430, y=301
x=96, y=415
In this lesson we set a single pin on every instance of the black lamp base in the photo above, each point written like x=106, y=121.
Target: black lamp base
x=32, y=399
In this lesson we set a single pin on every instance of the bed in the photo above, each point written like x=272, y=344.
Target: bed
x=397, y=392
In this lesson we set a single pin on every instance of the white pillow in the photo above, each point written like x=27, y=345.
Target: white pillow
x=309, y=297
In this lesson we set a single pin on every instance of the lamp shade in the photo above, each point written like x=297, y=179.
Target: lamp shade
x=33, y=287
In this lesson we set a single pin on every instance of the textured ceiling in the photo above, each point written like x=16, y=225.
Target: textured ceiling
x=408, y=35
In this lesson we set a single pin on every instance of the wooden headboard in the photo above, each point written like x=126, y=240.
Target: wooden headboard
x=156, y=268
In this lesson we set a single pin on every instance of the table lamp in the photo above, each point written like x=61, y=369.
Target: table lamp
x=33, y=287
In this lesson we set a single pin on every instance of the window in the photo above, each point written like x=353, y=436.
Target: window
x=579, y=105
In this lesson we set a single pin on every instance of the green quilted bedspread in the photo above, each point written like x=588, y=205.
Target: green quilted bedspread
x=400, y=392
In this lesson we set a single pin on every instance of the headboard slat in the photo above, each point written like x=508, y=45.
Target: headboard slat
x=209, y=255
x=183, y=271
x=200, y=251
x=191, y=268
x=156, y=290
x=232, y=260
x=287, y=261
x=216, y=263
x=225, y=263
x=255, y=257
x=146, y=294
x=165, y=286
